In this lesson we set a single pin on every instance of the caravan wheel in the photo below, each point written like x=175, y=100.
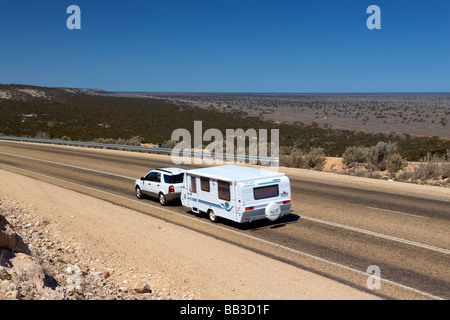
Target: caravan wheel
x=212, y=216
x=273, y=211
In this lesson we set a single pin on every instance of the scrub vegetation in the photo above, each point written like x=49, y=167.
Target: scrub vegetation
x=95, y=115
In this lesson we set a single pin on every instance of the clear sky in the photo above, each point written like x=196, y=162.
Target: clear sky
x=228, y=45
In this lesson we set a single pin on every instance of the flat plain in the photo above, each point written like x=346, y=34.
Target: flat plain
x=416, y=114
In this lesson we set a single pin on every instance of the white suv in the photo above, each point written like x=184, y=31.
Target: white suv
x=162, y=183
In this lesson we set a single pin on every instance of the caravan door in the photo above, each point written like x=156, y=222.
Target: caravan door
x=192, y=192
x=227, y=198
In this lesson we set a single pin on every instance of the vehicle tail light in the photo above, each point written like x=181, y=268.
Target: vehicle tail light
x=171, y=189
x=286, y=201
x=249, y=208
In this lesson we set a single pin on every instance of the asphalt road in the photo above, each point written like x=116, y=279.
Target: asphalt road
x=335, y=231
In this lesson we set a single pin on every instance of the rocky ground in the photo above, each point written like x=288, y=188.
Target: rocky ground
x=36, y=263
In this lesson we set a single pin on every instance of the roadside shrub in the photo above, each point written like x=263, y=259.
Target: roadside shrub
x=354, y=155
x=135, y=141
x=446, y=170
x=315, y=158
x=405, y=175
x=106, y=141
x=297, y=158
x=41, y=135
x=383, y=156
x=121, y=141
x=432, y=167
x=294, y=158
x=378, y=154
x=170, y=144
x=446, y=166
x=395, y=163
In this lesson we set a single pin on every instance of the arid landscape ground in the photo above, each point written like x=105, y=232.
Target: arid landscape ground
x=412, y=114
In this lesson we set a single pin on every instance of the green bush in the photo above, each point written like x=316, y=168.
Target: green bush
x=383, y=156
x=378, y=155
x=170, y=144
x=432, y=167
x=315, y=158
x=355, y=155
x=295, y=158
x=135, y=141
x=106, y=141
x=395, y=163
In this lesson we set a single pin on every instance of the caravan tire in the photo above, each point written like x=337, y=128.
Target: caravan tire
x=212, y=216
x=273, y=212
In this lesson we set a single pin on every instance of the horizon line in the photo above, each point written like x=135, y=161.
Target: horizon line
x=238, y=92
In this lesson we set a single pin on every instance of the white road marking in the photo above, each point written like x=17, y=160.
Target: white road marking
x=398, y=212
x=241, y=234
x=136, y=166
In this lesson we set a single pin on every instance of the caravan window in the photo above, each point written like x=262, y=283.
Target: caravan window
x=204, y=184
x=224, y=190
x=193, y=184
x=266, y=192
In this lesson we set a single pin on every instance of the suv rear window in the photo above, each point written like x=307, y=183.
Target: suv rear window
x=176, y=178
x=266, y=192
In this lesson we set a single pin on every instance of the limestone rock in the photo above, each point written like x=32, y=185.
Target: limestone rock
x=142, y=287
x=9, y=240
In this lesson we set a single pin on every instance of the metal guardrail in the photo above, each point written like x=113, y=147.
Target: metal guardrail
x=154, y=150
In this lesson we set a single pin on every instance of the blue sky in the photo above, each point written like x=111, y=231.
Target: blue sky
x=228, y=45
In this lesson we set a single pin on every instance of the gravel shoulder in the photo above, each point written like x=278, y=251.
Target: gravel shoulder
x=124, y=249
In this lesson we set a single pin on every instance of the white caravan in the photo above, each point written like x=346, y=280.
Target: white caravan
x=240, y=194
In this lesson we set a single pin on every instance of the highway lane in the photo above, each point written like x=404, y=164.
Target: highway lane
x=421, y=207
x=326, y=249
x=359, y=208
